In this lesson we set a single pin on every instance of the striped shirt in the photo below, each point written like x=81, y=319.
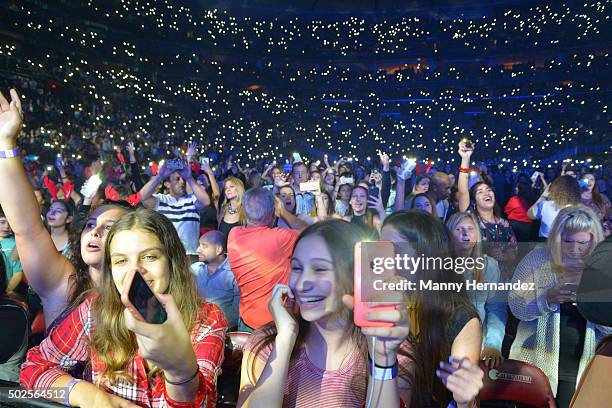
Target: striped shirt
x=310, y=386
x=184, y=215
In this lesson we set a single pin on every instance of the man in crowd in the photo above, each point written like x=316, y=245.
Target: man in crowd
x=214, y=278
x=14, y=272
x=304, y=201
x=181, y=208
x=439, y=191
x=259, y=254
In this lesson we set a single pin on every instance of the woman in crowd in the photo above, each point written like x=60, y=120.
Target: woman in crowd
x=480, y=200
x=342, y=197
x=561, y=193
x=516, y=209
x=58, y=281
x=328, y=182
x=552, y=334
x=318, y=357
x=59, y=219
x=230, y=212
x=467, y=244
x=444, y=323
x=421, y=186
x=173, y=363
x=423, y=202
x=365, y=210
x=592, y=198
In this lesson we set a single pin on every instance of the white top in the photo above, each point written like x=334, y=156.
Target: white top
x=184, y=215
x=547, y=212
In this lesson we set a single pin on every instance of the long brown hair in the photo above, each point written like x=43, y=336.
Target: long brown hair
x=112, y=342
x=80, y=282
x=369, y=212
x=597, y=195
x=431, y=311
x=340, y=237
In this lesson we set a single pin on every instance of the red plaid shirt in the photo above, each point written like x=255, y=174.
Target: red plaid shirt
x=67, y=347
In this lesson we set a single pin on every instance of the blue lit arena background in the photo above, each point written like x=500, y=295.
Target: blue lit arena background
x=528, y=81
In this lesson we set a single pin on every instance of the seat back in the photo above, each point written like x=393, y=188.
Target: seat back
x=14, y=318
x=517, y=381
x=229, y=381
x=38, y=324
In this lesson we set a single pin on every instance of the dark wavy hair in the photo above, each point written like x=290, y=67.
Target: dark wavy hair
x=431, y=311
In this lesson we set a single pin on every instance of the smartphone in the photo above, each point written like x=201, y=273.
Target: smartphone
x=176, y=164
x=143, y=300
x=346, y=180
x=468, y=143
x=297, y=158
x=374, y=191
x=205, y=161
x=535, y=176
x=309, y=187
x=364, y=290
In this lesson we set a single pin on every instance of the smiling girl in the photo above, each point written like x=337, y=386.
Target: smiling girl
x=129, y=360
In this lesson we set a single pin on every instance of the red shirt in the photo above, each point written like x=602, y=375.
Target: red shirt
x=516, y=210
x=68, y=346
x=259, y=257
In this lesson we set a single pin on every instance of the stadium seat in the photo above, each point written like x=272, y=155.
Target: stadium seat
x=519, y=382
x=229, y=381
x=38, y=324
x=14, y=318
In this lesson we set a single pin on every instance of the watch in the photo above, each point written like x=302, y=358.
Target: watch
x=7, y=154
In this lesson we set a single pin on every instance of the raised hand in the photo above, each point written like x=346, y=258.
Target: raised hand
x=464, y=151
x=376, y=203
x=192, y=150
x=11, y=120
x=384, y=160
x=167, y=345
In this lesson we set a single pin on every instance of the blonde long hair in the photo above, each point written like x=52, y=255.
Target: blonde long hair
x=112, y=342
x=573, y=219
x=477, y=251
x=225, y=204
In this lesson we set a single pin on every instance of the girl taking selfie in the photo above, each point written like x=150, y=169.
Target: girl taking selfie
x=128, y=360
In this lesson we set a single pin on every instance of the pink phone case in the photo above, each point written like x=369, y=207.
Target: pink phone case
x=361, y=307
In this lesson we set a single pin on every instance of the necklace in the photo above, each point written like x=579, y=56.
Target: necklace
x=231, y=210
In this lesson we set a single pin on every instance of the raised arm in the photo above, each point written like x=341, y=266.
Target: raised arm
x=291, y=219
x=534, y=210
x=198, y=190
x=463, y=193
x=44, y=267
x=213, y=184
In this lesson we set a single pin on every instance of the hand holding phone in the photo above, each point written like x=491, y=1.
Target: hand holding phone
x=138, y=297
x=366, y=252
